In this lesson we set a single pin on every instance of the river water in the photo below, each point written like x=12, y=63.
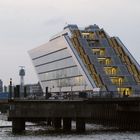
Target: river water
x=94, y=132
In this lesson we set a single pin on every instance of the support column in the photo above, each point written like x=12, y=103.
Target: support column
x=49, y=122
x=57, y=123
x=67, y=124
x=18, y=125
x=80, y=124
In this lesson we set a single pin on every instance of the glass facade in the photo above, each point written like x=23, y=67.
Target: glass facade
x=65, y=82
x=62, y=73
x=56, y=65
x=53, y=56
x=57, y=68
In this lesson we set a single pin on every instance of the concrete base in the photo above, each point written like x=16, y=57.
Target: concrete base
x=67, y=124
x=57, y=123
x=18, y=125
x=80, y=124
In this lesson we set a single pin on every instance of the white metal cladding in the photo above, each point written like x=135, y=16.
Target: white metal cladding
x=56, y=65
x=49, y=47
x=50, y=57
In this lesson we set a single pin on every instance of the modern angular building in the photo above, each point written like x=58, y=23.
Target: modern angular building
x=86, y=59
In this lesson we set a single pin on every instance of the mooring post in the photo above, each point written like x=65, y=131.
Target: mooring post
x=67, y=124
x=80, y=124
x=18, y=125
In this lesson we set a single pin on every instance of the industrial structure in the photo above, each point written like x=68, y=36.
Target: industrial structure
x=87, y=60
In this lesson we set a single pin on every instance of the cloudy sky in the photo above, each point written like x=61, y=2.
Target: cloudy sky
x=25, y=24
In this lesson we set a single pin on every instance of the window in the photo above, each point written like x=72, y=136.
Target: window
x=105, y=61
x=99, y=51
x=89, y=35
x=110, y=70
x=108, y=61
x=117, y=80
x=125, y=91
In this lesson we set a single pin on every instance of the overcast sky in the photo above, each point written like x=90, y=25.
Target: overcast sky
x=25, y=24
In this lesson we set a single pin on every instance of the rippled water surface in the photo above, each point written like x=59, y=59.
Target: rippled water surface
x=94, y=132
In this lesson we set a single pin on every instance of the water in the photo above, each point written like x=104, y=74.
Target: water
x=94, y=132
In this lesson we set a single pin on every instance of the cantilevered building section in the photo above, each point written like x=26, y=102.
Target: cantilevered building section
x=86, y=60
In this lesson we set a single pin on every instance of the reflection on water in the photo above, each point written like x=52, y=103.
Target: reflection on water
x=94, y=132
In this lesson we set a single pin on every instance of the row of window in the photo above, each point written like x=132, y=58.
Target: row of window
x=68, y=82
x=62, y=73
x=56, y=65
x=63, y=53
x=90, y=35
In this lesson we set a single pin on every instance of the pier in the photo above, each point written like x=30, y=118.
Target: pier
x=122, y=112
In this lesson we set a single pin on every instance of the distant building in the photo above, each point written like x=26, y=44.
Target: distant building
x=86, y=59
x=33, y=89
x=1, y=85
x=5, y=89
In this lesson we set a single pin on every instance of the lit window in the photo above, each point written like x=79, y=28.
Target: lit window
x=88, y=35
x=99, y=51
x=125, y=91
x=105, y=61
x=110, y=70
x=117, y=80
x=102, y=52
x=114, y=71
x=108, y=61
